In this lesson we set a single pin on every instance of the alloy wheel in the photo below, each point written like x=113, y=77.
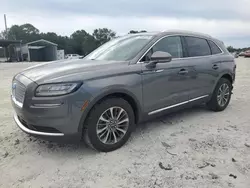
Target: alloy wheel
x=112, y=125
x=223, y=95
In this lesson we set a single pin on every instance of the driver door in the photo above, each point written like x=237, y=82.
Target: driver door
x=166, y=85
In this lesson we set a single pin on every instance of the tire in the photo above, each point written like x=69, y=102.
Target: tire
x=92, y=123
x=214, y=103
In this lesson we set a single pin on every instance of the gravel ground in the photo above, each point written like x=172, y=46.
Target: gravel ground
x=191, y=148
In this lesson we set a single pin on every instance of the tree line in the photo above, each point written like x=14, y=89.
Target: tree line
x=232, y=49
x=80, y=41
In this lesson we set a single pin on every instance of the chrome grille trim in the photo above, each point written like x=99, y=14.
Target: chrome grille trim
x=18, y=93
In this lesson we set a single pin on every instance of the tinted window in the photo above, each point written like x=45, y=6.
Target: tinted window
x=197, y=47
x=214, y=48
x=171, y=45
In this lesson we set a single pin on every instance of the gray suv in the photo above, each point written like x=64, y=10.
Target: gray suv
x=130, y=79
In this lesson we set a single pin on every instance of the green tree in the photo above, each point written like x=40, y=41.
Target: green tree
x=133, y=31
x=61, y=41
x=25, y=32
x=83, y=43
x=103, y=35
x=29, y=29
x=231, y=49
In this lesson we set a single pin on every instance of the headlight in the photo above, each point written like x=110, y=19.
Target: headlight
x=56, y=89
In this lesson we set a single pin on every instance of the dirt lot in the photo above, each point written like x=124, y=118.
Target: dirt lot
x=192, y=148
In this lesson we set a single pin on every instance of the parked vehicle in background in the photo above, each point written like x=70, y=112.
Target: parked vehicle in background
x=235, y=54
x=126, y=81
x=73, y=56
x=247, y=53
x=242, y=54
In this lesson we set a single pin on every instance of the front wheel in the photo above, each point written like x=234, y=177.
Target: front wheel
x=221, y=95
x=109, y=124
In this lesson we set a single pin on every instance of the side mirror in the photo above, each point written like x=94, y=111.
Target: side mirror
x=159, y=57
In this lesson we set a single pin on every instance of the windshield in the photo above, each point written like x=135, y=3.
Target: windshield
x=120, y=49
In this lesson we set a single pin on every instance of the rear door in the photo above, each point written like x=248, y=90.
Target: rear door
x=202, y=66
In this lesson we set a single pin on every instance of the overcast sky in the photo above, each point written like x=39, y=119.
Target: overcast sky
x=228, y=20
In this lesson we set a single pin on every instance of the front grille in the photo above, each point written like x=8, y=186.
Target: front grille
x=18, y=91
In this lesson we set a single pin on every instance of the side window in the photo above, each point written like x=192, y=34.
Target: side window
x=214, y=48
x=172, y=45
x=197, y=47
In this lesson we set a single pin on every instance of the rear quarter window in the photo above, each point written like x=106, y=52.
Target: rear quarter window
x=214, y=48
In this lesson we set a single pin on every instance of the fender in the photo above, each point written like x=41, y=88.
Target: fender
x=104, y=93
x=221, y=75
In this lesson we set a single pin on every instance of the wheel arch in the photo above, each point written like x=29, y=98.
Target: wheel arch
x=213, y=101
x=120, y=93
x=226, y=75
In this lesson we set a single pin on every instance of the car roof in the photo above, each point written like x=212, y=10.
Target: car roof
x=185, y=32
x=175, y=32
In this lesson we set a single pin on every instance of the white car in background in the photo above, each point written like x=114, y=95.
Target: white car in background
x=73, y=56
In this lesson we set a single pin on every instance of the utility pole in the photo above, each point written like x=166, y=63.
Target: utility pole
x=6, y=28
x=6, y=37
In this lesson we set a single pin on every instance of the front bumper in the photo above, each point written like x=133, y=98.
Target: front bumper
x=26, y=129
x=50, y=116
x=45, y=119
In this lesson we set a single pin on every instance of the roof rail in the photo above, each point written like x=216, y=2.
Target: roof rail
x=187, y=31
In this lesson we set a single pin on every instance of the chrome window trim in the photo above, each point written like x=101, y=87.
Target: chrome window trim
x=175, y=105
x=183, y=58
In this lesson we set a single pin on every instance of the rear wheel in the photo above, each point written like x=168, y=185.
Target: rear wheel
x=221, y=95
x=109, y=124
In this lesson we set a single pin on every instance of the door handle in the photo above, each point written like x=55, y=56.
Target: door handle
x=183, y=71
x=215, y=66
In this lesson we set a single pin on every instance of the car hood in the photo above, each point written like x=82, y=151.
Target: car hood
x=46, y=72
